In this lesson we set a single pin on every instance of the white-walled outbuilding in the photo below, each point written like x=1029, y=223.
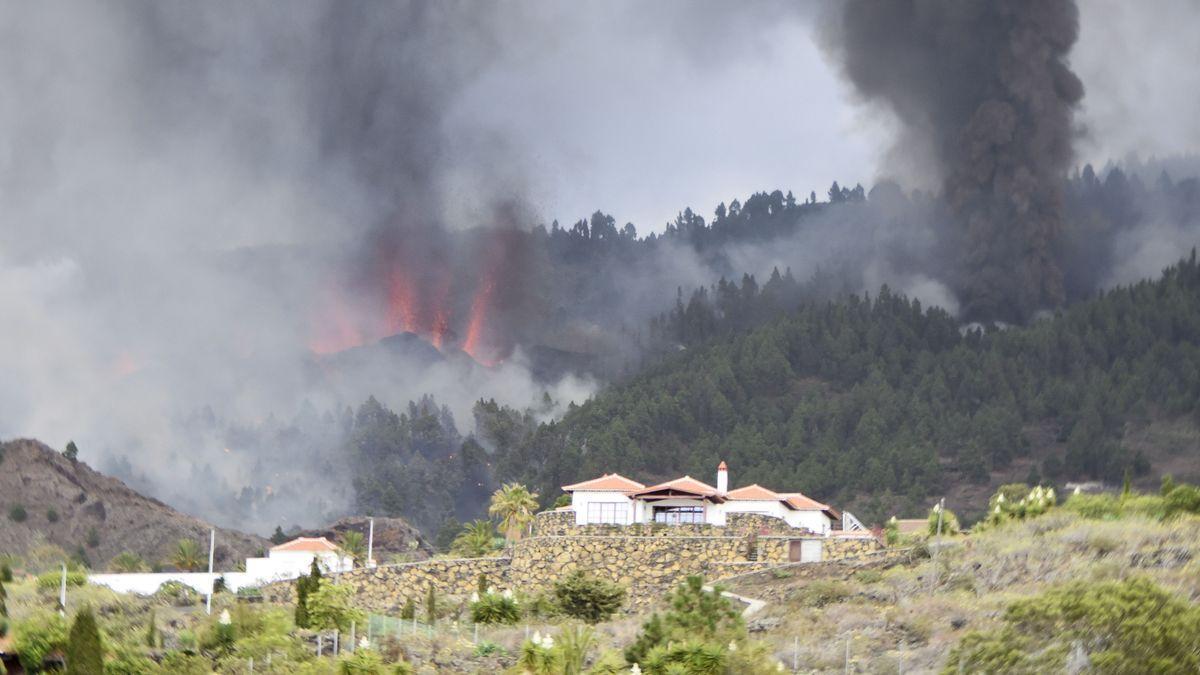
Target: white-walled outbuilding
x=285, y=561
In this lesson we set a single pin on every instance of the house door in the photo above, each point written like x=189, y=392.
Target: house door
x=804, y=550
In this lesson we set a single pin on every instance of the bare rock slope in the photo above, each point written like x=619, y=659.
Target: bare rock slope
x=70, y=505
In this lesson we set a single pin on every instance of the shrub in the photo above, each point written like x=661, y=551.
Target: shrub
x=868, y=576
x=361, y=662
x=51, y=515
x=1129, y=626
x=1016, y=501
x=1183, y=499
x=587, y=598
x=37, y=636
x=127, y=561
x=1097, y=507
x=822, y=592
x=494, y=608
x=949, y=521
x=487, y=648
x=52, y=581
x=93, y=538
x=410, y=609
x=330, y=607
x=16, y=513
x=176, y=594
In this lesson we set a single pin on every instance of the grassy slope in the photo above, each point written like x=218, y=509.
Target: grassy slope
x=908, y=615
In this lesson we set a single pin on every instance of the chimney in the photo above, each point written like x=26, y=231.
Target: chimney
x=722, y=477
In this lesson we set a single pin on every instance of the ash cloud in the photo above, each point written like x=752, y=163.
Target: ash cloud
x=985, y=92
x=188, y=188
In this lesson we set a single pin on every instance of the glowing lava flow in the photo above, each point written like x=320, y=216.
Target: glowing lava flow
x=402, y=302
x=479, y=310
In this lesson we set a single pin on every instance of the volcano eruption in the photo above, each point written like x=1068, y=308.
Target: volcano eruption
x=455, y=291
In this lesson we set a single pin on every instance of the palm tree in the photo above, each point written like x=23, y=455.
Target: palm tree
x=127, y=561
x=475, y=540
x=352, y=545
x=514, y=505
x=187, y=557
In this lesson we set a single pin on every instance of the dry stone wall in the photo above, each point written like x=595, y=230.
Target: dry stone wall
x=645, y=566
x=647, y=560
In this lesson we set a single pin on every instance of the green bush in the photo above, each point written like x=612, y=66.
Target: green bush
x=16, y=513
x=587, y=598
x=494, y=608
x=1128, y=626
x=822, y=592
x=37, y=636
x=1094, y=506
x=487, y=648
x=1183, y=499
x=330, y=607
x=51, y=515
x=949, y=522
x=176, y=594
x=51, y=581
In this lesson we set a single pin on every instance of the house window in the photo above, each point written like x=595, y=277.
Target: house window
x=676, y=515
x=608, y=512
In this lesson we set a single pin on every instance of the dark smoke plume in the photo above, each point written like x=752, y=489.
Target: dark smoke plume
x=984, y=89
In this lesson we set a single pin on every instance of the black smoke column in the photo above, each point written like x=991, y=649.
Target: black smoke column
x=986, y=89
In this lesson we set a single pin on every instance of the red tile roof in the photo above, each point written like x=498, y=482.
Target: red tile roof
x=609, y=481
x=310, y=544
x=685, y=484
x=802, y=503
x=754, y=492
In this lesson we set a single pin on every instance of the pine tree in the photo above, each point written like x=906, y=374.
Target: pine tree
x=301, y=615
x=151, y=632
x=72, y=451
x=278, y=537
x=84, y=653
x=431, y=606
x=304, y=587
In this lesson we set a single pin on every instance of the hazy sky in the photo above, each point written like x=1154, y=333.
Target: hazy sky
x=642, y=138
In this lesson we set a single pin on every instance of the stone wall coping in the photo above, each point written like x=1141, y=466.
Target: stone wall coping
x=847, y=561
x=418, y=563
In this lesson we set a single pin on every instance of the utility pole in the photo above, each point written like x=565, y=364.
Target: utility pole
x=62, y=592
x=937, y=544
x=212, y=544
x=371, y=544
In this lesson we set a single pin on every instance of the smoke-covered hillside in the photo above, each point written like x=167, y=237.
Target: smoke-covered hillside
x=225, y=228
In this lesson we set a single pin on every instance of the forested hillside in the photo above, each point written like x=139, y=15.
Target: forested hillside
x=877, y=394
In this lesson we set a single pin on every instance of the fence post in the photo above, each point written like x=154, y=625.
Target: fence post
x=320, y=644
x=352, y=636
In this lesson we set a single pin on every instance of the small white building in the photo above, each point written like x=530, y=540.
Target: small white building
x=615, y=499
x=289, y=560
x=294, y=558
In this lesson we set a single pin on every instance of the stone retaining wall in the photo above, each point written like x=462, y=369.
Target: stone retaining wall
x=647, y=560
x=386, y=588
x=645, y=566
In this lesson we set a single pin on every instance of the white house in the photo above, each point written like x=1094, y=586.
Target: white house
x=285, y=561
x=294, y=558
x=615, y=499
